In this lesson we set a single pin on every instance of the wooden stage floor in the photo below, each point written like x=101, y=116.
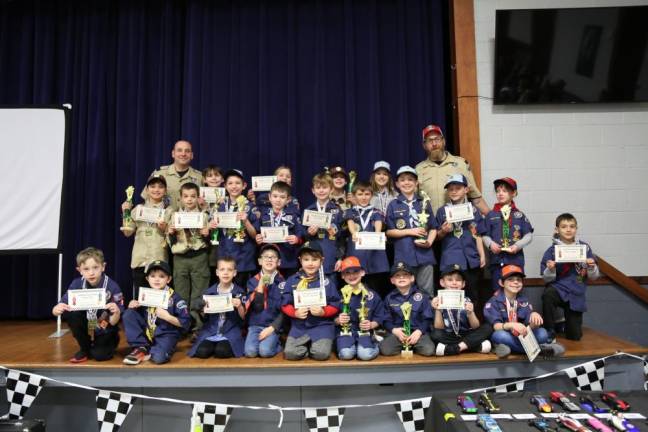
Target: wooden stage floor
x=25, y=344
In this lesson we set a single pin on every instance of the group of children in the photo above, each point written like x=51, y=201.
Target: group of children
x=361, y=292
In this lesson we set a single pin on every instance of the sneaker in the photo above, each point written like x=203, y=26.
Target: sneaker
x=79, y=357
x=502, y=351
x=485, y=347
x=440, y=349
x=137, y=356
x=552, y=350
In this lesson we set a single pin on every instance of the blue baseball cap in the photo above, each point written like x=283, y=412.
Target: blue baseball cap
x=400, y=266
x=312, y=246
x=406, y=169
x=453, y=268
x=456, y=179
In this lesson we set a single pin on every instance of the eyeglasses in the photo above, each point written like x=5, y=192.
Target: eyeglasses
x=269, y=257
x=434, y=139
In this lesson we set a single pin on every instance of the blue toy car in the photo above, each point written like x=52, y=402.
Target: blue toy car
x=487, y=423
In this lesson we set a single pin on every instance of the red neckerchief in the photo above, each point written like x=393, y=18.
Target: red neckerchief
x=498, y=208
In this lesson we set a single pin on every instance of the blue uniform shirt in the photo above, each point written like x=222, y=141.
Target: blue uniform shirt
x=243, y=253
x=570, y=279
x=459, y=317
x=272, y=301
x=215, y=327
x=372, y=261
x=376, y=313
x=400, y=217
x=263, y=203
x=176, y=307
x=330, y=243
x=289, y=218
x=460, y=245
x=422, y=313
x=315, y=327
x=519, y=227
x=495, y=310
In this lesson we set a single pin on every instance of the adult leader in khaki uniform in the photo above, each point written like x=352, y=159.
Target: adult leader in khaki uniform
x=434, y=171
x=178, y=173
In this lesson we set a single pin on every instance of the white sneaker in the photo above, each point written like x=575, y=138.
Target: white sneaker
x=440, y=349
x=486, y=347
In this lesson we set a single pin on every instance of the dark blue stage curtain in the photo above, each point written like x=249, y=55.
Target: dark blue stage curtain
x=252, y=84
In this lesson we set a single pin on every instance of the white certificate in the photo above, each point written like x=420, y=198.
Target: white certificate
x=183, y=220
x=570, y=253
x=218, y=303
x=530, y=344
x=370, y=241
x=211, y=195
x=274, y=234
x=263, y=183
x=309, y=297
x=148, y=214
x=459, y=212
x=317, y=219
x=227, y=220
x=84, y=299
x=451, y=299
x=151, y=297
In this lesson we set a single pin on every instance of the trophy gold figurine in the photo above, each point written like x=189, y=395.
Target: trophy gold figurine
x=239, y=235
x=506, y=234
x=363, y=312
x=406, y=308
x=347, y=292
x=352, y=178
x=126, y=217
x=423, y=216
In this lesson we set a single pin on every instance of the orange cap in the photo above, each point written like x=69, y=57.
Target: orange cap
x=350, y=263
x=511, y=270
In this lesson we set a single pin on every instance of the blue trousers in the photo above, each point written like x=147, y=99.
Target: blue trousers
x=506, y=337
x=268, y=347
x=163, y=345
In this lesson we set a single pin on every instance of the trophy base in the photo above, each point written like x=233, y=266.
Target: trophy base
x=127, y=230
x=420, y=241
x=407, y=353
x=506, y=249
x=363, y=333
x=214, y=242
x=236, y=240
x=345, y=333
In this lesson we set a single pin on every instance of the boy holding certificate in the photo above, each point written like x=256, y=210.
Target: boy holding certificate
x=149, y=222
x=278, y=224
x=565, y=267
x=413, y=227
x=224, y=311
x=511, y=315
x=456, y=326
x=408, y=315
x=362, y=312
x=283, y=173
x=188, y=234
x=508, y=230
x=327, y=234
x=263, y=306
x=94, y=328
x=154, y=326
x=311, y=301
x=370, y=249
x=461, y=227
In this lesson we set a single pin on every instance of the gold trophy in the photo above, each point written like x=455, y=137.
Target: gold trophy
x=347, y=292
x=352, y=178
x=423, y=216
x=406, y=308
x=363, y=312
x=506, y=235
x=239, y=235
x=126, y=217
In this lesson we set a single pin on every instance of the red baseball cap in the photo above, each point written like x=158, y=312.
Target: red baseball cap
x=511, y=270
x=508, y=181
x=350, y=263
x=431, y=128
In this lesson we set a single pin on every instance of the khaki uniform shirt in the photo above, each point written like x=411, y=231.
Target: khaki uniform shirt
x=432, y=178
x=174, y=181
x=187, y=239
x=150, y=242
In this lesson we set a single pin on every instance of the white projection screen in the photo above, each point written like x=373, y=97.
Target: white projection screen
x=32, y=144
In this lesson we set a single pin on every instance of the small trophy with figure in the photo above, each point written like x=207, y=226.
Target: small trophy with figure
x=423, y=216
x=347, y=292
x=127, y=219
x=239, y=235
x=406, y=308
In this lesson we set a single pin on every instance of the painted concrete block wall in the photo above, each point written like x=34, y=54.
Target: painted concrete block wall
x=591, y=160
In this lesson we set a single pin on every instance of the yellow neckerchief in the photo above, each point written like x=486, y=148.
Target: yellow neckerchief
x=303, y=283
x=152, y=317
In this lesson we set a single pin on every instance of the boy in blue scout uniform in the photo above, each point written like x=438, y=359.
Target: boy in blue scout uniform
x=238, y=244
x=462, y=241
x=413, y=235
x=283, y=174
x=312, y=325
x=458, y=330
x=359, y=342
x=278, y=215
x=402, y=277
x=153, y=333
x=263, y=306
x=510, y=312
x=222, y=334
x=330, y=239
x=95, y=330
x=508, y=230
x=566, y=282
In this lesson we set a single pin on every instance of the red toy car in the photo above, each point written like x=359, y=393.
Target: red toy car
x=614, y=402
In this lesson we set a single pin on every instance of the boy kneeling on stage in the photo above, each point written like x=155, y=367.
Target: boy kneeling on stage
x=95, y=330
x=153, y=332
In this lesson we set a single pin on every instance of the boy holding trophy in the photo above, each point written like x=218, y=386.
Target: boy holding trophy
x=362, y=311
x=408, y=316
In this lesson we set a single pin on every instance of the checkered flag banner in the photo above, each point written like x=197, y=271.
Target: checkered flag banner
x=588, y=376
x=112, y=409
x=212, y=418
x=324, y=419
x=412, y=413
x=506, y=388
x=22, y=389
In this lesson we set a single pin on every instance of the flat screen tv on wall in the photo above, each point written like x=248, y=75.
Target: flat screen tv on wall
x=580, y=55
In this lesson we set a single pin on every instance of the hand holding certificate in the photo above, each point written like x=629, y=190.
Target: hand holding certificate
x=227, y=220
x=148, y=214
x=182, y=220
x=530, y=344
x=366, y=240
x=274, y=234
x=459, y=212
x=451, y=299
x=151, y=297
x=317, y=219
x=570, y=253
x=263, y=183
x=218, y=303
x=309, y=297
x=84, y=299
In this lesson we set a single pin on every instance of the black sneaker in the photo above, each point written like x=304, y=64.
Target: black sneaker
x=80, y=357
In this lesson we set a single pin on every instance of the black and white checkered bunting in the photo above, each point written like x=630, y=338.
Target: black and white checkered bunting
x=324, y=419
x=412, y=413
x=506, y=388
x=588, y=376
x=112, y=409
x=212, y=418
x=22, y=389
